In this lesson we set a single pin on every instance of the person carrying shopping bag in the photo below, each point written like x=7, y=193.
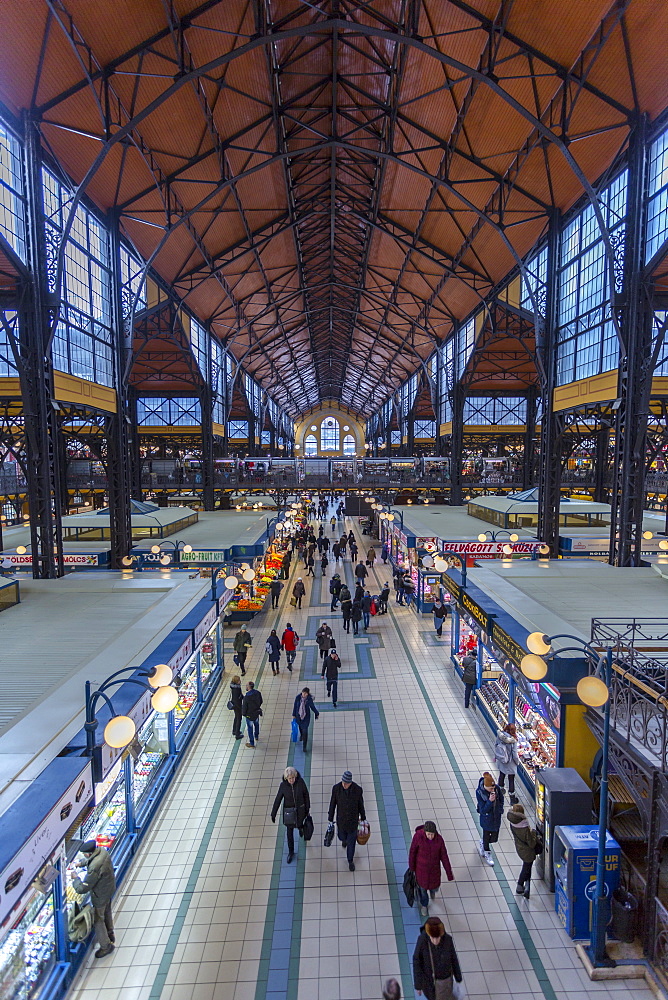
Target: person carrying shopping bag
x=301, y=713
x=435, y=962
x=242, y=643
x=294, y=795
x=426, y=855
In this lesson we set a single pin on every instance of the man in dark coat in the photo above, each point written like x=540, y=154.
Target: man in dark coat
x=293, y=793
x=469, y=675
x=275, y=588
x=251, y=709
x=348, y=802
x=360, y=572
x=301, y=713
x=323, y=638
x=298, y=591
x=100, y=882
x=356, y=616
x=330, y=671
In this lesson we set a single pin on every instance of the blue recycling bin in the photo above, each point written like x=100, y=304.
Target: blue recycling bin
x=574, y=859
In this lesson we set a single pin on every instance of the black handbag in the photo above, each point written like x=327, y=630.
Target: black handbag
x=290, y=812
x=230, y=705
x=329, y=835
x=308, y=828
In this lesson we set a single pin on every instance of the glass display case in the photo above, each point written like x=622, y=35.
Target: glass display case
x=208, y=656
x=187, y=692
x=154, y=739
x=536, y=739
x=28, y=950
x=107, y=821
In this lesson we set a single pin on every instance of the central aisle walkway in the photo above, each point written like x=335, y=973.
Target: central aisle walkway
x=211, y=910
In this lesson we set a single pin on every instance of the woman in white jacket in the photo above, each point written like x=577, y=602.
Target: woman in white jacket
x=506, y=759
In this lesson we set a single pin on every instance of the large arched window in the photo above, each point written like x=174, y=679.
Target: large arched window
x=329, y=434
x=349, y=445
x=310, y=446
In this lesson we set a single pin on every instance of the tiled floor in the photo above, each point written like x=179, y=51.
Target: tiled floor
x=212, y=910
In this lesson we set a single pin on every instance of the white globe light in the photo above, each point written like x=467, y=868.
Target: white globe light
x=538, y=642
x=592, y=691
x=663, y=544
x=383, y=516
x=514, y=537
x=164, y=699
x=440, y=564
x=544, y=549
x=482, y=537
x=119, y=731
x=390, y=517
x=427, y=561
x=187, y=548
x=346, y=427
x=165, y=560
x=534, y=667
x=21, y=550
x=508, y=549
x=7, y=563
x=126, y=560
x=161, y=675
x=231, y=583
x=155, y=549
x=249, y=575
x=647, y=535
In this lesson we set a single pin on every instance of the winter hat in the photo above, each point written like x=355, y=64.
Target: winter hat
x=488, y=780
x=518, y=808
x=89, y=847
x=430, y=826
x=434, y=927
x=347, y=776
x=288, y=625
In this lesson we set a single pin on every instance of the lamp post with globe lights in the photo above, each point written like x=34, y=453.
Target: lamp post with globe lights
x=441, y=564
x=594, y=691
x=121, y=729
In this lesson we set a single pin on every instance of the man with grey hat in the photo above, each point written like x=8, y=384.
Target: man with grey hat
x=100, y=882
x=348, y=802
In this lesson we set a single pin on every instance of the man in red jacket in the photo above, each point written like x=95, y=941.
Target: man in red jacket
x=427, y=854
x=289, y=641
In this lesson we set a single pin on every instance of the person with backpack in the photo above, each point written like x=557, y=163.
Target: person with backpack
x=469, y=675
x=440, y=613
x=346, y=608
x=360, y=573
x=383, y=598
x=301, y=713
x=251, y=709
x=294, y=795
x=527, y=844
x=489, y=803
x=506, y=759
x=289, y=642
x=335, y=590
x=273, y=648
x=235, y=702
x=330, y=671
x=242, y=643
x=298, y=592
x=323, y=638
x=275, y=588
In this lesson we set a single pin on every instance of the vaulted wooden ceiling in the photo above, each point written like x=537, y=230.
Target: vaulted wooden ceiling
x=333, y=184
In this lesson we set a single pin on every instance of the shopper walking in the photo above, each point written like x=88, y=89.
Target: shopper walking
x=383, y=598
x=275, y=588
x=352, y=545
x=335, y=591
x=356, y=616
x=242, y=643
x=371, y=556
x=408, y=588
x=489, y=799
x=310, y=563
x=323, y=638
x=100, y=882
x=330, y=671
x=273, y=647
x=360, y=573
x=251, y=709
x=469, y=675
x=324, y=563
x=346, y=608
x=235, y=702
x=440, y=613
x=332, y=521
x=293, y=794
x=435, y=962
x=366, y=609
x=285, y=565
x=527, y=843
x=336, y=551
x=384, y=553
x=505, y=756
x=301, y=713
x=298, y=592
x=426, y=855
x=347, y=801
x=289, y=642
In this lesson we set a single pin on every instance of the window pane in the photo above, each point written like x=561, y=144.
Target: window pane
x=329, y=434
x=310, y=446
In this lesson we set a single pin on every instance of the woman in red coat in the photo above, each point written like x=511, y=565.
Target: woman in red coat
x=425, y=858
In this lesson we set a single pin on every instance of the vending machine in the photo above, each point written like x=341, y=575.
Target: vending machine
x=562, y=798
x=574, y=862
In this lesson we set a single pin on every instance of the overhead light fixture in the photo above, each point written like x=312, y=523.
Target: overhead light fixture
x=534, y=667
x=21, y=550
x=592, y=691
x=164, y=699
x=160, y=675
x=539, y=643
x=231, y=582
x=119, y=731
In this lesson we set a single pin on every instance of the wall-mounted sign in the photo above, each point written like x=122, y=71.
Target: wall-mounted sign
x=475, y=611
x=507, y=644
x=491, y=549
x=450, y=586
x=71, y=559
x=23, y=868
x=182, y=655
x=206, y=624
x=215, y=557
